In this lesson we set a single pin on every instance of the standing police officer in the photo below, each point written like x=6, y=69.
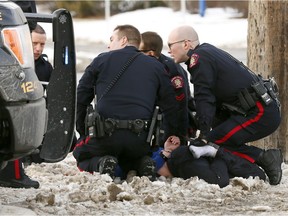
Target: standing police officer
x=43, y=67
x=13, y=175
x=230, y=99
x=126, y=108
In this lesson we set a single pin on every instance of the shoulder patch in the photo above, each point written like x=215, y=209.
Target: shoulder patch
x=177, y=82
x=193, y=60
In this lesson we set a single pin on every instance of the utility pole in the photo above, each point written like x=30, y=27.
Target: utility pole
x=183, y=10
x=107, y=9
x=183, y=6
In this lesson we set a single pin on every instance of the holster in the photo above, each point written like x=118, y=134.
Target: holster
x=247, y=100
x=94, y=123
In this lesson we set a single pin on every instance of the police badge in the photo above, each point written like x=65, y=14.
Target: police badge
x=193, y=60
x=177, y=82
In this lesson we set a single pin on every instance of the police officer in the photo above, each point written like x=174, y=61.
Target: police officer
x=126, y=108
x=13, y=175
x=152, y=44
x=43, y=67
x=227, y=91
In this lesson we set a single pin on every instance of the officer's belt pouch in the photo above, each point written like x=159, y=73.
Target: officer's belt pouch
x=247, y=100
x=97, y=128
x=263, y=90
x=94, y=123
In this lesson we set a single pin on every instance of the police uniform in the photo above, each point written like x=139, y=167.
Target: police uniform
x=218, y=78
x=132, y=97
x=43, y=68
x=179, y=79
x=13, y=174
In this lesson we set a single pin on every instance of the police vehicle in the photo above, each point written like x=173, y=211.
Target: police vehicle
x=27, y=118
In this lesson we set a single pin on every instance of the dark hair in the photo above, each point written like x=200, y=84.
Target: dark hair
x=152, y=41
x=38, y=29
x=131, y=32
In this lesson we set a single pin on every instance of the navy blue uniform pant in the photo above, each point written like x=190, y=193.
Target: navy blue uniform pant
x=236, y=130
x=128, y=147
x=13, y=170
x=216, y=170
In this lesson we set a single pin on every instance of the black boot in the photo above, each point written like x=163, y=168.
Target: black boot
x=13, y=175
x=147, y=168
x=271, y=160
x=23, y=182
x=107, y=165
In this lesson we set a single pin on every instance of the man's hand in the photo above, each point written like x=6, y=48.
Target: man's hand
x=171, y=144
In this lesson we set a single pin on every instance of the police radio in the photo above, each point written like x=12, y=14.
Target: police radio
x=261, y=91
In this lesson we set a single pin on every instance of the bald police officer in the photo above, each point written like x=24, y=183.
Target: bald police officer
x=231, y=106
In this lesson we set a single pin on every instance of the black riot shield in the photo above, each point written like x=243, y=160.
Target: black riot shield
x=61, y=91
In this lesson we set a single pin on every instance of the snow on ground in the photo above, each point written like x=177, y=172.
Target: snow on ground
x=66, y=191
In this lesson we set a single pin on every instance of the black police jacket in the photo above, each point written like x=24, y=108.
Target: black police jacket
x=43, y=68
x=217, y=78
x=179, y=79
x=134, y=95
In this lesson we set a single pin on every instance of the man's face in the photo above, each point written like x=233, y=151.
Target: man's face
x=178, y=48
x=115, y=42
x=38, y=41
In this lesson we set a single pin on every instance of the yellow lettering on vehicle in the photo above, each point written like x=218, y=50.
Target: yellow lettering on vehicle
x=27, y=87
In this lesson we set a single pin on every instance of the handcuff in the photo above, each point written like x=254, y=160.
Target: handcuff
x=163, y=155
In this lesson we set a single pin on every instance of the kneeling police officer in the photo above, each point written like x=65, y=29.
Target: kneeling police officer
x=127, y=84
x=234, y=106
